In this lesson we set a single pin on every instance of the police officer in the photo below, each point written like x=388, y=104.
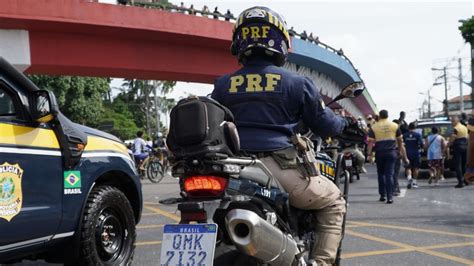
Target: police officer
x=459, y=143
x=387, y=136
x=268, y=101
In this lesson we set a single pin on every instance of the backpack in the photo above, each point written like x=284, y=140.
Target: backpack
x=200, y=126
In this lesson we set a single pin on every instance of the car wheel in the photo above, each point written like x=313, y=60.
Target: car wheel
x=108, y=228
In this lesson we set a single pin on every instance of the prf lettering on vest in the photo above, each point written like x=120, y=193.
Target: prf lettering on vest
x=254, y=82
x=255, y=32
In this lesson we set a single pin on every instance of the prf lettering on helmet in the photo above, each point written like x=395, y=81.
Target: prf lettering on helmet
x=254, y=83
x=278, y=24
x=255, y=32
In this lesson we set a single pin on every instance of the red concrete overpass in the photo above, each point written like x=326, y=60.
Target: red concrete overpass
x=85, y=38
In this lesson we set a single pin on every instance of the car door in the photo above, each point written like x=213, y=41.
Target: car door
x=31, y=175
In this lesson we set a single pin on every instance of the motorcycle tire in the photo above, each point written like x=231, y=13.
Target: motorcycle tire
x=345, y=190
x=227, y=255
x=155, y=171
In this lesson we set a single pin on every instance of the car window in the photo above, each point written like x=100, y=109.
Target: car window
x=7, y=106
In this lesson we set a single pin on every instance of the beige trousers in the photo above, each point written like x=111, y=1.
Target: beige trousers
x=316, y=193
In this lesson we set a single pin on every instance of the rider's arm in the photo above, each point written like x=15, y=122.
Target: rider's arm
x=319, y=118
x=218, y=87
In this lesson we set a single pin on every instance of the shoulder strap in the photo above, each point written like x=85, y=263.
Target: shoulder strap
x=432, y=140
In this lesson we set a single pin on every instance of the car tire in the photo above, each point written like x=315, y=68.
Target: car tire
x=108, y=228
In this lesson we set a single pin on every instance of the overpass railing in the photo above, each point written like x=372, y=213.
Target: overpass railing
x=228, y=16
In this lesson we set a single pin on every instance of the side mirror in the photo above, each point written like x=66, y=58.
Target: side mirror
x=43, y=106
x=350, y=91
x=353, y=90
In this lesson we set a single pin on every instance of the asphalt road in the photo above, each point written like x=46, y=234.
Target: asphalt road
x=425, y=226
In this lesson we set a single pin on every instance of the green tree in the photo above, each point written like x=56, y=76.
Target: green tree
x=120, y=118
x=467, y=30
x=79, y=98
x=143, y=100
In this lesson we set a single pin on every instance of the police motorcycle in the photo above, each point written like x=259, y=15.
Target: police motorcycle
x=233, y=211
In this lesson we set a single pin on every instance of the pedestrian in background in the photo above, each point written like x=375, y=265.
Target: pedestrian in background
x=402, y=123
x=435, y=147
x=469, y=175
x=387, y=137
x=413, y=144
x=216, y=13
x=459, y=143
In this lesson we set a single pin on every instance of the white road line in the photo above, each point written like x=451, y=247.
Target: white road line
x=403, y=191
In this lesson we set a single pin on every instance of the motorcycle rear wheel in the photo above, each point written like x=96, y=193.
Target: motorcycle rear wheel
x=227, y=255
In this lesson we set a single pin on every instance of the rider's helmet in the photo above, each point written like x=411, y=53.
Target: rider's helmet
x=259, y=30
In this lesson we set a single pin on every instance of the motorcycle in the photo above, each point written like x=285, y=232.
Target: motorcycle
x=234, y=212
x=350, y=165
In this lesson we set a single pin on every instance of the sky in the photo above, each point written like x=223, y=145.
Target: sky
x=394, y=44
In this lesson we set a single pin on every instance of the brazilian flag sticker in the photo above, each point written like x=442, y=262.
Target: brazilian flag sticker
x=72, y=179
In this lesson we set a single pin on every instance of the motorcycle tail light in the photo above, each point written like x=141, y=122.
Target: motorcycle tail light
x=194, y=216
x=347, y=154
x=204, y=186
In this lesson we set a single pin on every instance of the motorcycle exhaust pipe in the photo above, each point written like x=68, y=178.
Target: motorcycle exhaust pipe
x=258, y=238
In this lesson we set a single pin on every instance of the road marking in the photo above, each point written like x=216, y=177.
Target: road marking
x=375, y=253
x=452, y=245
x=150, y=203
x=355, y=225
x=148, y=243
x=403, y=191
x=149, y=214
x=148, y=226
x=405, y=228
x=159, y=211
x=410, y=247
x=402, y=250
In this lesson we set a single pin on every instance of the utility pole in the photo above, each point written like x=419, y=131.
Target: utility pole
x=157, y=109
x=472, y=76
x=461, y=96
x=446, y=91
x=429, y=104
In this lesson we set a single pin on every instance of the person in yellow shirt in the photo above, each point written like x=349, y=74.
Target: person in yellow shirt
x=458, y=141
x=386, y=136
x=469, y=175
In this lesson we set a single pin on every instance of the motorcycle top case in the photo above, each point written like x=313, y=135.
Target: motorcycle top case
x=201, y=126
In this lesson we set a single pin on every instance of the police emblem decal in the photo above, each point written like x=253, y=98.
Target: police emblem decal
x=11, y=197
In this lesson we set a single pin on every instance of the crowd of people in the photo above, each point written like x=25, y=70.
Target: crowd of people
x=398, y=143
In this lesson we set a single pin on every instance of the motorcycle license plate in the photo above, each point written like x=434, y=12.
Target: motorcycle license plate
x=348, y=162
x=188, y=244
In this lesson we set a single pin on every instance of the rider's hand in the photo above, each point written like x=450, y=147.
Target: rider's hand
x=350, y=121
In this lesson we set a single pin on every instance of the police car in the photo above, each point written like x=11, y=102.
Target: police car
x=68, y=193
x=445, y=129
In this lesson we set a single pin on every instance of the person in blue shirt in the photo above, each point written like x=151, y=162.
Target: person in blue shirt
x=413, y=144
x=268, y=103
